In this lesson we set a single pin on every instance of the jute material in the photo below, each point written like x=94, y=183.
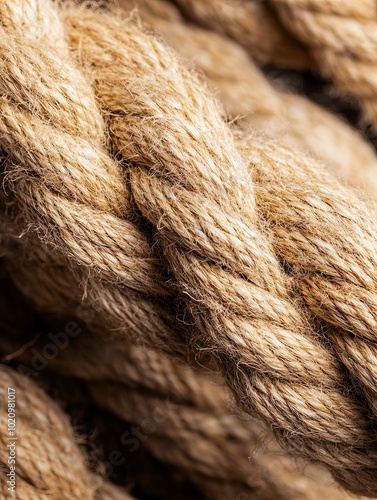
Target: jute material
x=49, y=462
x=251, y=100
x=186, y=410
x=144, y=213
x=253, y=25
x=342, y=37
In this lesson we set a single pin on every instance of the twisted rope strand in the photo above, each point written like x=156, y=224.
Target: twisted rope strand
x=343, y=41
x=68, y=189
x=252, y=25
x=212, y=250
x=197, y=198
x=328, y=239
x=251, y=100
x=49, y=463
x=54, y=177
x=192, y=415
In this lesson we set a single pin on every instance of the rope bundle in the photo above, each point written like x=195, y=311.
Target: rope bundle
x=130, y=204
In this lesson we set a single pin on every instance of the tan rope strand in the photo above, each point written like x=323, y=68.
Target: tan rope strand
x=68, y=164
x=195, y=189
x=251, y=100
x=68, y=189
x=49, y=463
x=252, y=25
x=184, y=238
x=313, y=221
x=343, y=41
x=192, y=414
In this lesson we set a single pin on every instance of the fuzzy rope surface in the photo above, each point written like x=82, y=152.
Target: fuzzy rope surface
x=190, y=413
x=251, y=100
x=252, y=24
x=129, y=202
x=342, y=37
x=49, y=462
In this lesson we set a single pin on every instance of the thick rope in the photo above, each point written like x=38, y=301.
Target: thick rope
x=252, y=24
x=334, y=274
x=188, y=413
x=196, y=190
x=250, y=99
x=68, y=188
x=342, y=37
x=169, y=188
x=49, y=464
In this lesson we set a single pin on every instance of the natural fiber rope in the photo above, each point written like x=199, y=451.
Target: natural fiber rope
x=252, y=24
x=184, y=430
x=193, y=416
x=287, y=317
x=49, y=463
x=342, y=37
x=351, y=356
x=360, y=359
x=251, y=99
x=59, y=198
x=67, y=183
x=194, y=187
x=162, y=199
x=328, y=268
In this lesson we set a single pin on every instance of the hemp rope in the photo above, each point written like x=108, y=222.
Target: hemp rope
x=184, y=181
x=361, y=361
x=196, y=418
x=342, y=37
x=252, y=24
x=54, y=207
x=295, y=320
x=49, y=463
x=250, y=99
x=153, y=197
x=334, y=281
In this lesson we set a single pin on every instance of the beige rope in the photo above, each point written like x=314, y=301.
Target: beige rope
x=342, y=37
x=48, y=462
x=251, y=100
x=252, y=24
x=143, y=204
x=185, y=418
x=162, y=198
x=59, y=198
